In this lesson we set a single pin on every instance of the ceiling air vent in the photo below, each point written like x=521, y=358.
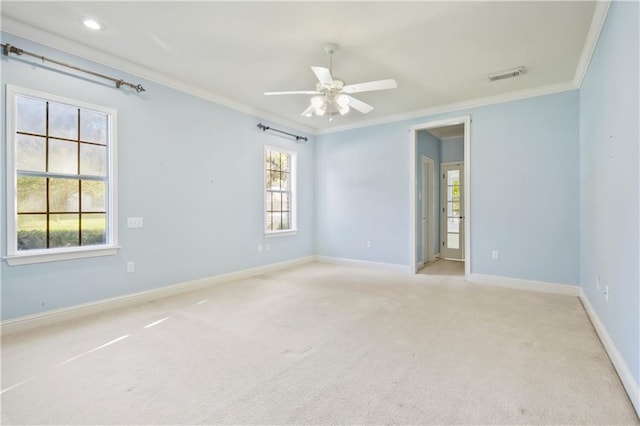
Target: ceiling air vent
x=514, y=72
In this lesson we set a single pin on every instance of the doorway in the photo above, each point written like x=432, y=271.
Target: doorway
x=420, y=197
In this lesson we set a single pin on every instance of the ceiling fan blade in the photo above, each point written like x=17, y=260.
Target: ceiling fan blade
x=370, y=86
x=323, y=74
x=295, y=92
x=359, y=105
x=307, y=112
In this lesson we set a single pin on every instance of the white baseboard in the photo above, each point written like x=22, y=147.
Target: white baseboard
x=520, y=284
x=56, y=316
x=627, y=379
x=394, y=267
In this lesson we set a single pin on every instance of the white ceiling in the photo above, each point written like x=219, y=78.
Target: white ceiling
x=440, y=53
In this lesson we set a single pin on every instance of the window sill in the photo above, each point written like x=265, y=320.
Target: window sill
x=41, y=256
x=280, y=233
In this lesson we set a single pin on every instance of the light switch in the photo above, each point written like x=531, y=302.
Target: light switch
x=134, y=222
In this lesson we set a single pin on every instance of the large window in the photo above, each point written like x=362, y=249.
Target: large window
x=280, y=191
x=60, y=178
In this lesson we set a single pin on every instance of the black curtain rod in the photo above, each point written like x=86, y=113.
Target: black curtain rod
x=298, y=138
x=7, y=48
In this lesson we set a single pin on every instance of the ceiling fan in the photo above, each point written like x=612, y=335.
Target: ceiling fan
x=332, y=96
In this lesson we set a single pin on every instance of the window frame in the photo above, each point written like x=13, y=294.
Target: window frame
x=22, y=257
x=293, y=198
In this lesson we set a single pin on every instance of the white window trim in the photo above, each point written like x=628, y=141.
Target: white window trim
x=15, y=257
x=294, y=193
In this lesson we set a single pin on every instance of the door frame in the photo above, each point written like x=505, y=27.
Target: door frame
x=443, y=200
x=413, y=208
x=428, y=208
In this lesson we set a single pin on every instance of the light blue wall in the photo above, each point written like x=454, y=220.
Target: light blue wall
x=524, y=189
x=429, y=146
x=453, y=150
x=362, y=194
x=191, y=168
x=609, y=139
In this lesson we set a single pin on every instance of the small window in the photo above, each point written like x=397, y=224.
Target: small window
x=280, y=191
x=61, y=180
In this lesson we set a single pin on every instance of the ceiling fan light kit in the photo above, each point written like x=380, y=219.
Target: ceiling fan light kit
x=332, y=96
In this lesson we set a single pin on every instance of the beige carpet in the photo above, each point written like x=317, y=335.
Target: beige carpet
x=320, y=344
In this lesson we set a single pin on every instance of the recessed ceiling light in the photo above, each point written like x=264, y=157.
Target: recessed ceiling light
x=92, y=24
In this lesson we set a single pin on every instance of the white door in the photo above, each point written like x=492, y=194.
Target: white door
x=428, y=228
x=452, y=210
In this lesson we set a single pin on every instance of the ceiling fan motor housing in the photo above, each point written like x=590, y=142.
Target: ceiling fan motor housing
x=332, y=96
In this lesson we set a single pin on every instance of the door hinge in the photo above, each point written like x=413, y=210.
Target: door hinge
x=443, y=244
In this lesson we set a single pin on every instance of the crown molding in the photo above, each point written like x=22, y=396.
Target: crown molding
x=29, y=32
x=458, y=106
x=597, y=23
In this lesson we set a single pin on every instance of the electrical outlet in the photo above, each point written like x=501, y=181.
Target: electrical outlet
x=131, y=266
x=606, y=293
x=259, y=247
x=495, y=255
x=368, y=244
x=598, y=281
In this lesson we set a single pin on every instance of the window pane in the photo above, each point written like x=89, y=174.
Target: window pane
x=285, y=201
x=277, y=202
x=453, y=225
x=64, y=195
x=94, y=196
x=276, y=219
x=93, y=126
x=32, y=194
x=453, y=209
x=268, y=160
x=453, y=177
x=269, y=221
x=285, y=221
x=273, y=180
x=64, y=230
x=63, y=121
x=284, y=162
x=273, y=161
x=453, y=241
x=93, y=160
x=63, y=157
x=32, y=231
x=284, y=181
x=453, y=193
x=31, y=115
x=268, y=201
x=94, y=229
x=30, y=153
